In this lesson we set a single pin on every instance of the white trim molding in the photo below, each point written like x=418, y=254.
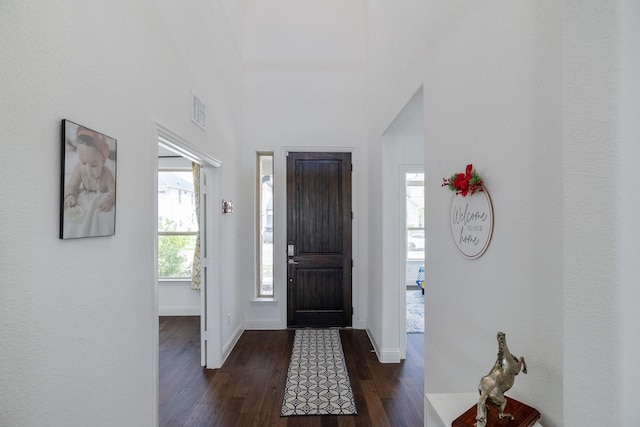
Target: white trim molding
x=176, y=143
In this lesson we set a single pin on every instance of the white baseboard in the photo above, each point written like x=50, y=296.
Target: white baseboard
x=263, y=325
x=231, y=343
x=179, y=311
x=389, y=356
x=373, y=343
x=385, y=355
x=271, y=325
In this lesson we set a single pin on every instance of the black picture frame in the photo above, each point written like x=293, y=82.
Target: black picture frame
x=87, y=182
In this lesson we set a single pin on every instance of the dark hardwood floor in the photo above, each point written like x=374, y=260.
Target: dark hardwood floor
x=248, y=389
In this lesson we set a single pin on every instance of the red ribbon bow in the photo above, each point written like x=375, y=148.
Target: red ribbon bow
x=461, y=181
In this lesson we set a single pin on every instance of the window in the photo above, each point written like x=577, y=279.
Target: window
x=415, y=215
x=177, y=224
x=265, y=224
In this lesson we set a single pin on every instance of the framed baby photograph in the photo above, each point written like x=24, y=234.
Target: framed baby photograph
x=87, y=183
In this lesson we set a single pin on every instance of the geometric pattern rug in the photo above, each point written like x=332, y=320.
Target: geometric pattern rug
x=415, y=312
x=317, y=379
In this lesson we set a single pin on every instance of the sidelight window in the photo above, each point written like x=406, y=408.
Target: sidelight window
x=264, y=227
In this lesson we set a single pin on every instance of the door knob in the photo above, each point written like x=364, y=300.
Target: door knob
x=291, y=261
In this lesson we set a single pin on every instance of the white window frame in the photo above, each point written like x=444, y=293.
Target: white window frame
x=260, y=226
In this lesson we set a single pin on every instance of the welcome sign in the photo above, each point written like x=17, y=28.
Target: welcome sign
x=471, y=223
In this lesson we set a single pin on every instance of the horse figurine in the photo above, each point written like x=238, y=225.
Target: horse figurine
x=493, y=386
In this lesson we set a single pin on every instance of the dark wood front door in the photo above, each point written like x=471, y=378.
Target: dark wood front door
x=319, y=239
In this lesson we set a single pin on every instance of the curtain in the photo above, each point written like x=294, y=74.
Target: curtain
x=196, y=277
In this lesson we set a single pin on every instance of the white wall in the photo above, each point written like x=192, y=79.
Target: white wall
x=209, y=37
x=304, y=63
x=79, y=335
x=402, y=147
x=393, y=79
x=600, y=217
x=176, y=298
x=492, y=97
x=628, y=227
x=539, y=96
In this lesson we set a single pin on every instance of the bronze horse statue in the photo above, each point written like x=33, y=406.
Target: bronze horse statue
x=493, y=386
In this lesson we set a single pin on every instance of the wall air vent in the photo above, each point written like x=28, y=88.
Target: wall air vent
x=197, y=111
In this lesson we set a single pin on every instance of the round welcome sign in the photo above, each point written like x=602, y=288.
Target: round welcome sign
x=471, y=223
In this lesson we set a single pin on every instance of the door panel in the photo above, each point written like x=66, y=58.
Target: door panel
x=319, y=230
x=202, y=211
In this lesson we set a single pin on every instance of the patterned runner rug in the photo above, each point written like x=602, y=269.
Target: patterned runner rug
x=317, y=380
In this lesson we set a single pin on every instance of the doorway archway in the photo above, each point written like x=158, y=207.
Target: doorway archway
x=210, y=309
x=403, y=145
